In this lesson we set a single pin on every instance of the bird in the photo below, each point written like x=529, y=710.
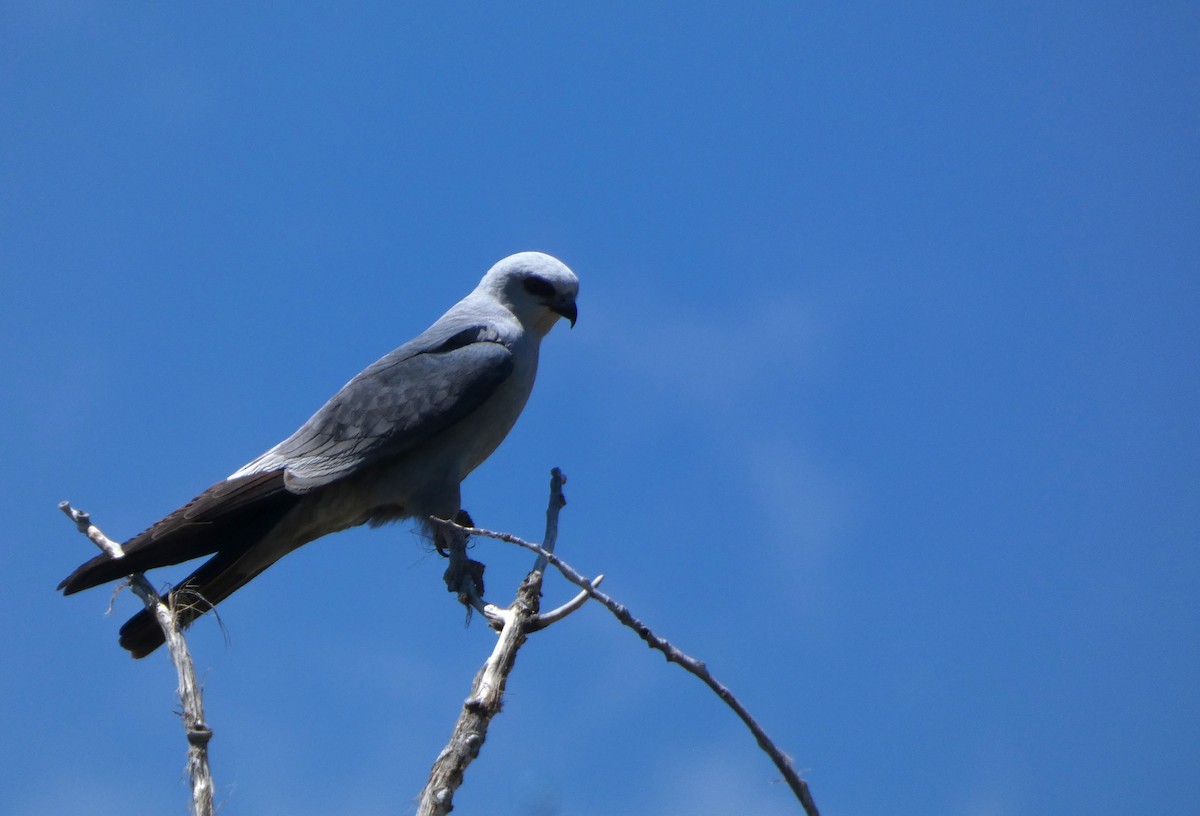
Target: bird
x=394, y=443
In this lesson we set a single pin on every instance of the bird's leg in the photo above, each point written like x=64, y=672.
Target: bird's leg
x=463, y=576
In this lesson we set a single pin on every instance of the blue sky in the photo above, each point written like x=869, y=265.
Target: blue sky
x=883, y=399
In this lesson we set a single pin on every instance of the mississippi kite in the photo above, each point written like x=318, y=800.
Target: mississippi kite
x=394, y=443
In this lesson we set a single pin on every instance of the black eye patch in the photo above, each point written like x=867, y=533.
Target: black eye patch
x=539, y=287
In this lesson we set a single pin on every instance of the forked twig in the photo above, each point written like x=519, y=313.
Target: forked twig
x=696, y=667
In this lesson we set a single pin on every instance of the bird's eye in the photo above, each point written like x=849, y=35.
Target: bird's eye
x=539, y=287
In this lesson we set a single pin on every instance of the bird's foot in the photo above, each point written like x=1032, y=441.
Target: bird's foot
x=463, y=576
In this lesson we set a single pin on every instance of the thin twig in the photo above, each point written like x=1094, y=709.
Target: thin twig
x=190, y=696
x=696, y=667
x=555, y=615
x=557, y=502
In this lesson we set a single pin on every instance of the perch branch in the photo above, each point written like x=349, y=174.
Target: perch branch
x=190, y=697
x=696, y=667
x=487, y=690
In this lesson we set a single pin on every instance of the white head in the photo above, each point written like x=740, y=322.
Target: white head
x=535, y=287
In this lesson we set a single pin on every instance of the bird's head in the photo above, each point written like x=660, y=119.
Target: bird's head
x=536, y=288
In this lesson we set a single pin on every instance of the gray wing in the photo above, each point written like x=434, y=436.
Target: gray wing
x=395, y=404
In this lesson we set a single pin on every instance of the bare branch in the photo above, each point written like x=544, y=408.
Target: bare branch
x=696, y=667
x=480, y=707
x=190, y=696
x=487, y=690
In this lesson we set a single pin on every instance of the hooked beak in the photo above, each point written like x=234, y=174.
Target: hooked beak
x=567, y=310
